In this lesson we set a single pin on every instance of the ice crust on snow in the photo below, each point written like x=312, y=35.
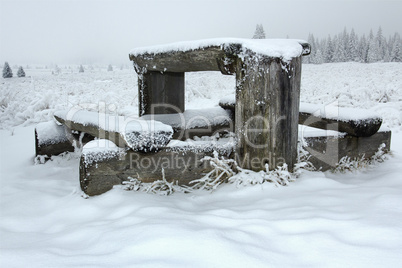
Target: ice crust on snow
x=280, y=48
x=194, y=118
x=100, y=150
x=50, y=133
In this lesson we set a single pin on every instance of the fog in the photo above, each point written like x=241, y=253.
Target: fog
x=89, y=32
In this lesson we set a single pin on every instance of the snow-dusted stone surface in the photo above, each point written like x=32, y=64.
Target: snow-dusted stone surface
x=353, y=121
x=138, y=134
x=224, y=146
x=100, y=150
x=309, y=132
x=196, y=122
x=228, y=102
x=51, y=139
x=213, y=54
x=50, y=133
x=326, y=151
x=104, y=165
x=339, y=113
x=279, y=48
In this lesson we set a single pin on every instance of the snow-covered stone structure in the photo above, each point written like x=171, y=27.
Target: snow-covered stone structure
x=268, y=73
x=258, y=126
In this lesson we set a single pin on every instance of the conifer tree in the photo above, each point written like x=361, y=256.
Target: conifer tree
x=381, y=44
x=363, y=48
x=319, y=57
x=81, y=70
x=396, y=55
x=20, y=72
x=7, y=72
x=353, y=47
x=329, y=50
x=340, y=52
x=372, y=49
x=259, y=32
x=110, y=68
x=314, y=47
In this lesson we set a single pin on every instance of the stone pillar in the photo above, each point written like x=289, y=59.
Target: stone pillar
x=267, y=111
x=161, y=93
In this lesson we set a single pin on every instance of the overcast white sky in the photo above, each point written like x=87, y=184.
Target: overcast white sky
x=104, y=31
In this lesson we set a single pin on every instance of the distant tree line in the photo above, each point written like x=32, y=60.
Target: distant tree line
x=348, y=46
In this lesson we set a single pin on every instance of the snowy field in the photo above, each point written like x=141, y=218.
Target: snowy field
x=320, y=220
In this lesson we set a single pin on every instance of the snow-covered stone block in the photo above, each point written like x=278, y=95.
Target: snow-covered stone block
x=354, y=121
x=104, y=165
x=327, y=148
x=51, y=139
x=212, y=54
x=137, y=134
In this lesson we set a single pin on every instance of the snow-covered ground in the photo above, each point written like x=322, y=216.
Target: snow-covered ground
x=320, y=220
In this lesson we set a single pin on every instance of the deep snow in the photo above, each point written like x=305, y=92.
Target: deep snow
x=321, y=219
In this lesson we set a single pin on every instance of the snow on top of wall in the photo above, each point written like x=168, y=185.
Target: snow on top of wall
x=50, y=133
x=194, y=118
x=281, y=48
x=335, y=112
x=331, y=111
x=101, y=150
x=228, y=100
x=309, y=132
x=113, y=123
x=224, y=146
x=138, y=134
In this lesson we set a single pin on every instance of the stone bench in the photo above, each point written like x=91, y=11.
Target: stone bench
x=264, y=115
x=353, y=121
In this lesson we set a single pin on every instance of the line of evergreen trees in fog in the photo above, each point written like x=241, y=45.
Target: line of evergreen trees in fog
x=348, y=46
